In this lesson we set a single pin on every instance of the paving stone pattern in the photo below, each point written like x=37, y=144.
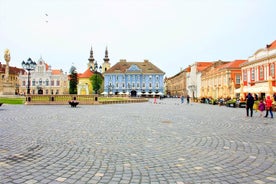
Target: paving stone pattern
x=134, y=143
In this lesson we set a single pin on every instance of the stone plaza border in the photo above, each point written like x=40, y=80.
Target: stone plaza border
x=167, y=142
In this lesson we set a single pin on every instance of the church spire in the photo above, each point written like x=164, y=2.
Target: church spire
x=106, y=59
x=91, y=58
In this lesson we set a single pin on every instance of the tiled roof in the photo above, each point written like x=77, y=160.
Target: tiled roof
x=233, y=64
x=272, y=45
x=202, y=65
x=123, y=65
x=56, y=72
x=86, y=74
x=12, y=70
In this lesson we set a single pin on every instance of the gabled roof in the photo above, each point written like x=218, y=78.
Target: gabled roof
x=145, y=67
x=86, y=74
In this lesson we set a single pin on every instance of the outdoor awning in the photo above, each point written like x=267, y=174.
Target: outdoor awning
x=255, y=89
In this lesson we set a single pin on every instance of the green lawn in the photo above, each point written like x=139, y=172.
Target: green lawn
x=12, y=100
x=101, y=99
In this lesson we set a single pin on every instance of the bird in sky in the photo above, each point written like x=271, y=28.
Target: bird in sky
x=46, y=16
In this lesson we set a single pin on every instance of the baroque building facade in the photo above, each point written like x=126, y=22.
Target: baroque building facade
x=176, y=85
x=44, y=80
x=134, y=79
x=258, y=74
x=221, y=79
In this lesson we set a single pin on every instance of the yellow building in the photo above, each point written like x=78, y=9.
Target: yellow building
x=84, y=83
x=221, y=79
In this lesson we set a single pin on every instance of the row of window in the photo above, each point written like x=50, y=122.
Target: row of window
x=47, y=92
x=122, y=85
x=260, y=69
x=133, y=77
x=10, y=77
x=40, y=82
x=219, y=80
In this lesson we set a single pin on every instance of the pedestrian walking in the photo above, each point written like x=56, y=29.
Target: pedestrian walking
x=261, y=108
x=268, y=107
x=182, y=99
x=188, y=99
x=249, y=105
x=155, y=100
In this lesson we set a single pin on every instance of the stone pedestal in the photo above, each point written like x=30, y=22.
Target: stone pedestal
x=8, y=88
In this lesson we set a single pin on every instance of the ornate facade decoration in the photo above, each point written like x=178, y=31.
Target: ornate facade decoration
x=258, y=74
x=44, y=80
x=221, y=79
x=134, y=79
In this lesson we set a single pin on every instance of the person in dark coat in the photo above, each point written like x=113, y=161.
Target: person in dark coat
x=249, y=104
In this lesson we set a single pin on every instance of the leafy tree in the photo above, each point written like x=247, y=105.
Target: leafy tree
x=73, y=82
x=96, y=81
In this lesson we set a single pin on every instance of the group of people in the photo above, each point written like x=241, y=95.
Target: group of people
x=264, y=105
x=182, y=99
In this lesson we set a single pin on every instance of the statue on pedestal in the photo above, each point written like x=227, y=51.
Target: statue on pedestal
x=7, y=57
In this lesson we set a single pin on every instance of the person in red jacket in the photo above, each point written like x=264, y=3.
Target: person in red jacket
x=268, y=106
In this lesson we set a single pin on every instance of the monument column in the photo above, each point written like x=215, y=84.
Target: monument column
x=8, y=86
x=7, y=59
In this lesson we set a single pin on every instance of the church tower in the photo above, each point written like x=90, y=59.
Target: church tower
x=91, y=59
x=106, y=64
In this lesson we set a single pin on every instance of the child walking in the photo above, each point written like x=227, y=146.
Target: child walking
x=261, y=108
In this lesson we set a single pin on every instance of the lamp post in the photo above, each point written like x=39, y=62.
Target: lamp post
x=94, y=69
x=109, y=88
x=29, y=65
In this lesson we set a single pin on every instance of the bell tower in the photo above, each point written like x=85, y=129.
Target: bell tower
x=91, y=59
x=106, y=64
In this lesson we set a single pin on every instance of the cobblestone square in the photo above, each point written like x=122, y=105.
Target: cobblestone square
x=168, y=142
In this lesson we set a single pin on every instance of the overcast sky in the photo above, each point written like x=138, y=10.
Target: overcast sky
x=172, y=34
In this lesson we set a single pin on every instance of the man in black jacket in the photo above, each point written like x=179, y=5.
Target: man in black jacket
x=249, y=104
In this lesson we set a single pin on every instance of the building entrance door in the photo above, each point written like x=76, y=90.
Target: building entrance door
x=133, y=93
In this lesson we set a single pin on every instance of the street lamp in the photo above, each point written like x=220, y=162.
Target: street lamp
x=109, y=88
x=94, y=69
x=29, y=65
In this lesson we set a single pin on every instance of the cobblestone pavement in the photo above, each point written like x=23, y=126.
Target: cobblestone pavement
x=166, y=142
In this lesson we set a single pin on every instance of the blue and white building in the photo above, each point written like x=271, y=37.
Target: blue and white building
x=134, y=79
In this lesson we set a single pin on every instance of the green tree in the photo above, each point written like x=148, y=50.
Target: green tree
x=96, y=81
x=73, y=82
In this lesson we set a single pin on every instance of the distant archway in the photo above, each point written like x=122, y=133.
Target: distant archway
x=40, y=92
x=133, y=93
